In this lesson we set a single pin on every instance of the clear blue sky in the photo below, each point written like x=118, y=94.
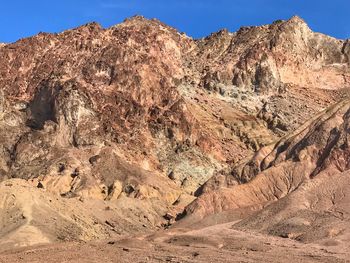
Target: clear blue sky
x=197, y=18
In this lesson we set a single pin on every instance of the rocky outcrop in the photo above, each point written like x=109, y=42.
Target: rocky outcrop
x=265, y=59
x=140, y=113
x=298, y=186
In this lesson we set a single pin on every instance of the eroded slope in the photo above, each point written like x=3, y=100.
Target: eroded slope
x=138, y=116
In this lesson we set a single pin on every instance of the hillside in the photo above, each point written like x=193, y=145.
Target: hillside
x=125, y=130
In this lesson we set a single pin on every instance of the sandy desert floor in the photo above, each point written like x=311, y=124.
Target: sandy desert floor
x=218, y=243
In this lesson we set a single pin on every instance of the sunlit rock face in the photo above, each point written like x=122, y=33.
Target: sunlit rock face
x=141, y=116
x=297, y=188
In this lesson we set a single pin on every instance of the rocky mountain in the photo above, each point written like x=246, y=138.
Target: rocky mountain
x=297, y=188
x=123, y=130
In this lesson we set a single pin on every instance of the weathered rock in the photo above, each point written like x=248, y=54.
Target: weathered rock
x=148, y=100
x=299, y=186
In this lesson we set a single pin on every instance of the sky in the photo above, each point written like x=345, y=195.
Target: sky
x=197, y=18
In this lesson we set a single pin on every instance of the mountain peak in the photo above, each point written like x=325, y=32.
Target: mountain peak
x=296, y=19
x=137, y=118
x=137, y=18
x=297, y=22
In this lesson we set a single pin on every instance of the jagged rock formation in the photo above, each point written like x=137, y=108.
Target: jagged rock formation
x=140, y=116
x=285, y=61
x=300, y=185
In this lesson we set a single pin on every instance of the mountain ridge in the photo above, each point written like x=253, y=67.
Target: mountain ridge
x=151, y=123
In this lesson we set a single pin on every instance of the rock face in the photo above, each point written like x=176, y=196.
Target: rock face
x=139, y=116
x=299, y=186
